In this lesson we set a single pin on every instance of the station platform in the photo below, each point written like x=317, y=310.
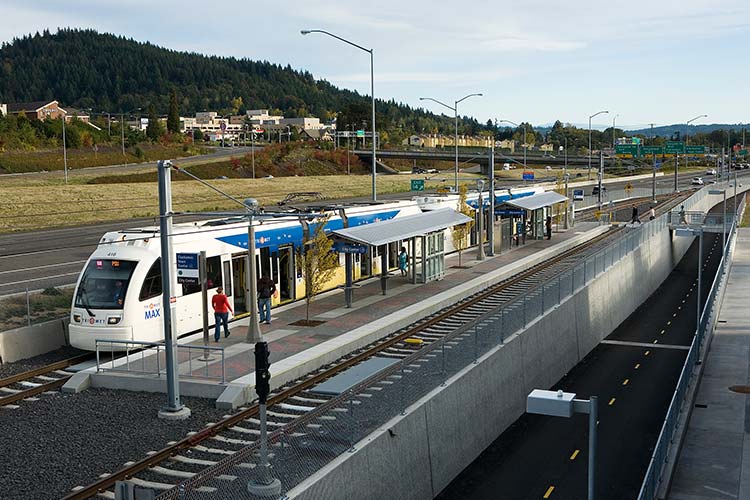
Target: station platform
x=714, y=461
x=298, y=350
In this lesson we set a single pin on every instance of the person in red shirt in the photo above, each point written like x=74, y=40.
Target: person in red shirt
x=221, y=306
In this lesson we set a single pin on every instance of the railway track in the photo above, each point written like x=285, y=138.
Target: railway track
x=34, y=382
x=298, y=407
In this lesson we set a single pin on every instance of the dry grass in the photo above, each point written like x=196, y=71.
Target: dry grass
x=50, y=304
x=43, y=203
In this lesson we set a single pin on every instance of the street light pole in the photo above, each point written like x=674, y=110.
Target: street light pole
x=372, y=91
x=453, y=108
x=65, y=149
x=687, y=126
x=590, y=117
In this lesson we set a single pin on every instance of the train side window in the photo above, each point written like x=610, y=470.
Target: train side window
x=152, y=283
x=228, y=277
x=213, y=272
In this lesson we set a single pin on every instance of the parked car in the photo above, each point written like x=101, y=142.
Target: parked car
x=547, y=167
x=711, y=171
x=697, y=181
x=432, y=171
x=417, y=170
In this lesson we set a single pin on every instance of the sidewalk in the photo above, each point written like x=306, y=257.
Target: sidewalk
x=714, y=462
x=297, y=350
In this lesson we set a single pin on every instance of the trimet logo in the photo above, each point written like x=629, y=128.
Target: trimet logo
x=152, y=312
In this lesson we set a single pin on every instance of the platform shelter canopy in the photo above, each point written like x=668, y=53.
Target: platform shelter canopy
x=403, y=228
x=537, y=201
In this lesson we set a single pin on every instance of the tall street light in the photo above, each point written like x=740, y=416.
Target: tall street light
x=122, y=128
x=613, y=133
x=525, y=145
x=372, y=91
x=454, y=108
x=687, y=126
x=590, y=117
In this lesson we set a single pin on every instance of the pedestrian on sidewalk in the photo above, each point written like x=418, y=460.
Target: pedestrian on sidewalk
x=683, y=217
x=221, y=306
x=548, y=224
x=266, y=289
x=635, y=217
x=651, y=214
x=403, y=261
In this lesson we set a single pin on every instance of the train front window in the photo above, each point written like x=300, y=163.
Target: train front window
x=104, y=284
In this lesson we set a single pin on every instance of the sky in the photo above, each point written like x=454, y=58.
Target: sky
x=657, y=61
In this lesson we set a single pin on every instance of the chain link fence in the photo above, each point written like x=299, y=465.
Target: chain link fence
x=309, y=433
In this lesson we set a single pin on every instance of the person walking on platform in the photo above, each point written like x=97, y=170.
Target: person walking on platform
x=635, y=217
x=221, y=306
x=403, y=260
x=548, y=225
x=266, y=289
x=651, y=214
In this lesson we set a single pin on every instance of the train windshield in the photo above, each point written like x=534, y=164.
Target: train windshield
x=104, y=284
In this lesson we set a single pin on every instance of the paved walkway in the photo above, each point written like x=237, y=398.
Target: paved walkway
x=714, y=462
x=369, y=305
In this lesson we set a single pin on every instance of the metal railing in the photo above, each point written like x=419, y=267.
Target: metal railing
x=319, y=434
x=688, y=376
x=133, y=356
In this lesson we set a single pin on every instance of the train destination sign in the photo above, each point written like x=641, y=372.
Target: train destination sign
x=187, y=269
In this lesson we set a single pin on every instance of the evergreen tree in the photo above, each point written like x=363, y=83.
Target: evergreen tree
x=173, y=118
x=154, y=129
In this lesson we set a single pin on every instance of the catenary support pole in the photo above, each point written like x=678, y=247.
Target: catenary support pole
x=491, y=213
x=593, y=418
x=251, y=285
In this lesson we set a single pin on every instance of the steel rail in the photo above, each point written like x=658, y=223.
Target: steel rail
x=59, y=365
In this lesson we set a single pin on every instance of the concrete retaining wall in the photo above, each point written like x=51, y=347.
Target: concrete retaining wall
x=28, y=341
x=421, y=452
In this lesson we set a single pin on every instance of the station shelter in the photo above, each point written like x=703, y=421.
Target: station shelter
x=526, y=216
x=422, y=234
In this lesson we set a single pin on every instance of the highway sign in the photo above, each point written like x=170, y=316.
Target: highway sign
x=675, y=148
x=528, y=175
x=652, y=150
x=657, y=164
x=360, y=133
x=695, y=150
x=187, y=268
x=743, y=152
x=417, y=184
x=626, y=149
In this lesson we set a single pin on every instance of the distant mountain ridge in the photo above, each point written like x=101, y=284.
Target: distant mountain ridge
x=104, y=72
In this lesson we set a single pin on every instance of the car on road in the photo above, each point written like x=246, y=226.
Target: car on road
x=697, y=181
x=595, y=190
x=711, y=171
x=446, y=189
x=417, y=170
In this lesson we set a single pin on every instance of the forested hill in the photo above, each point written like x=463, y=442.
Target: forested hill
x=104, y=72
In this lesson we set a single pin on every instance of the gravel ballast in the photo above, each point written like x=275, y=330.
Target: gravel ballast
x=60, y=441
x=23, y=365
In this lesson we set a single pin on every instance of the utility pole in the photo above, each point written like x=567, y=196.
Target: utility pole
x=65, y=150
x=174, y=409
x=601, y=175
x=491, y=238
x=480, y=225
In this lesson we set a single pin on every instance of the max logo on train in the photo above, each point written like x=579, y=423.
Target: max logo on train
x=151, y=312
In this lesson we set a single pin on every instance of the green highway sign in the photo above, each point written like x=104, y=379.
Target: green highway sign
x=695, y=150
x=417, y=184
x=675, y=148
x=652, y=150
x=626, y=149
x=743, y=152
x=360, y=133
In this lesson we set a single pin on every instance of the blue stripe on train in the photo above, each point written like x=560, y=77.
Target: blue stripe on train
x=274, y=237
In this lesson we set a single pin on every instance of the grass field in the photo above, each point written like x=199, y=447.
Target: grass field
x=52, y=159
x=35, y=204
x=43, y=306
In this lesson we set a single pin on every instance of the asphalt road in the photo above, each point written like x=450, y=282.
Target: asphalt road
x=546, y=457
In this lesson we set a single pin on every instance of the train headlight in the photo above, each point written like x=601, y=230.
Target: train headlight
x=113, y=320
x=77, y=318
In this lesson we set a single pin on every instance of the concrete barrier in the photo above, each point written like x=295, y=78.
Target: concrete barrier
x=28, y=341
x=422, y=451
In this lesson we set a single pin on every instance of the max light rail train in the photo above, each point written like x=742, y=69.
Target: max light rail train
x=118, y=295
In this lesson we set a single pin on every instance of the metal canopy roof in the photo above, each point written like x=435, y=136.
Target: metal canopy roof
x=387, y=231
x=537, y=201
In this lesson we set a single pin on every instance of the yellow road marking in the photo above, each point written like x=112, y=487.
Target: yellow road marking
x=611, y=401
x=683, y=301
x=637, y=365
x=575, y=454
x=626, y=381
x=679, y=307
x=549, y=492
x=647, y=353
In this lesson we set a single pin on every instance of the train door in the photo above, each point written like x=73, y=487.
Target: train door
x=286, y=273
x=238, y=283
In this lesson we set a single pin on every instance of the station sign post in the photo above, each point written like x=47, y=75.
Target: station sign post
x=188, y=271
